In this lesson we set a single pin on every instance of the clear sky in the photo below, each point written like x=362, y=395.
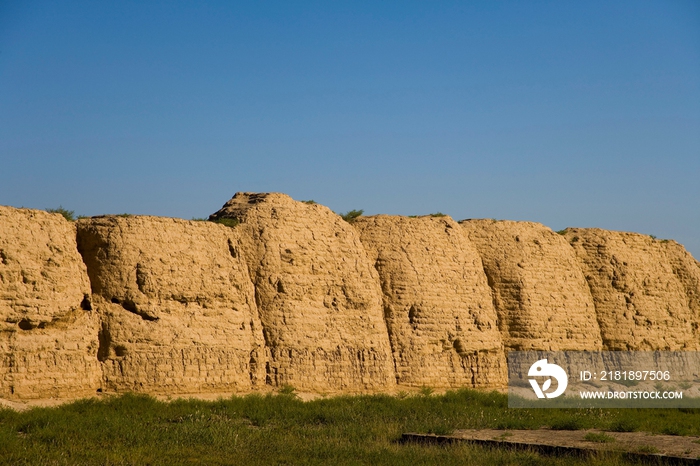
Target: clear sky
x=568, y=113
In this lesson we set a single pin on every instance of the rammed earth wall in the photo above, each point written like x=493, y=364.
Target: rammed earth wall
x=48, y=325
x=177, y=305
x=540, y=293
x=294, y=295
x=318, y=295
x=437, y=303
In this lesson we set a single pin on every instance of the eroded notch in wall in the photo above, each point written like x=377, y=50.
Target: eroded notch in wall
x=130, y=306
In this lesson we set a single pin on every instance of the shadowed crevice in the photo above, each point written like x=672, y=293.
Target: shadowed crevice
x=130, y=306
x=104, y=339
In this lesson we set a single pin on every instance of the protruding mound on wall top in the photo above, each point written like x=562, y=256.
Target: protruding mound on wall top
x=437, y=304
x=318, y=295
x=238, y=206
x=540, y=294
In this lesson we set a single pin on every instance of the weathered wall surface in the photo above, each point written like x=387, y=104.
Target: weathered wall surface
x=687, y=270
x=177, y=305
x=318, y=295
x=48, y=332
x=295, y=295
x=540, y=293
x=640, y=302
x=437, y=304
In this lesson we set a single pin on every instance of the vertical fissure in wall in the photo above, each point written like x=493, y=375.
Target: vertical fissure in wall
x=103, y=336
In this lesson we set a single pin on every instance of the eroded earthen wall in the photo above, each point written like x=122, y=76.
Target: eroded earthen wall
x=177, y=305
x=318, y=295
x=437, y=304
x=48, y=327
x=293, y=296
x=687, y=270
x=640, y=302
x=540, y=294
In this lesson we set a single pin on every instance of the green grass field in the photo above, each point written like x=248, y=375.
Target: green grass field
x=281, y=429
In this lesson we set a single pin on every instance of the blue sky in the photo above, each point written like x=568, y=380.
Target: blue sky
x=566, y=113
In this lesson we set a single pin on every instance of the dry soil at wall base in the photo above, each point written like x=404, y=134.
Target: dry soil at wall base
x=318, y=295
x=641, y=302
x=48, y=326
x=177, y=305
x=540, y=294
x=437, y=304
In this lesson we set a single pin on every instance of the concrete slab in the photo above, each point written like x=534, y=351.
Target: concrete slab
x=642, y=445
